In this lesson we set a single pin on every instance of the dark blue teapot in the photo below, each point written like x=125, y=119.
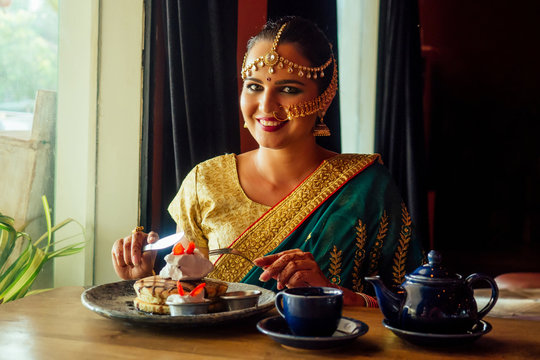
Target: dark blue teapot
x=432, y=300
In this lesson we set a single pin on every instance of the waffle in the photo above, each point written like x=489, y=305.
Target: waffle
x=152, y=292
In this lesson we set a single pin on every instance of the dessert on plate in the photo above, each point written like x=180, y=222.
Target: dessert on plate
x=182, y=276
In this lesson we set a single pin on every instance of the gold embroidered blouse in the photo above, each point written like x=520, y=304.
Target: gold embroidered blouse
x=211, y=206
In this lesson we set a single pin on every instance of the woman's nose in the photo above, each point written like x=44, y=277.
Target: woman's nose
x=268, y=102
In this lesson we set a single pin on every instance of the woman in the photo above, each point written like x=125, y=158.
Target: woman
x=306, y=215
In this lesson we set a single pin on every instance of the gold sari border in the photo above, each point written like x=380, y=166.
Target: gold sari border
x=285, y=217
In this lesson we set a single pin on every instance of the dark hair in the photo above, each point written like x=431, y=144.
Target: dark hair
x=311, y=41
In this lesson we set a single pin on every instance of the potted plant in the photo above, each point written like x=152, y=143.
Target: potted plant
x=18, y=272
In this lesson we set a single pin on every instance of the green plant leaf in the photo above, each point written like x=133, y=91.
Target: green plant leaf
x=7, y=220
x=16, y=280
x=38, y=291
x=57, y=227
x=6, y=278
x=67, y=250
x=7, y=242
x=47, y=210
x=25, y=276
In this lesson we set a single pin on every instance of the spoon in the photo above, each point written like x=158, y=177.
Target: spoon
x=231, y=252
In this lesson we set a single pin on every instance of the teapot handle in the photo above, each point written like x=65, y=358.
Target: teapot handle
x=494, y=291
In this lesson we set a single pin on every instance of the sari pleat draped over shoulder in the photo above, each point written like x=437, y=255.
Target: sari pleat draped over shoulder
x=348, y=214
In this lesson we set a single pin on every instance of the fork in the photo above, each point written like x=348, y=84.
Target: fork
x=231, y=252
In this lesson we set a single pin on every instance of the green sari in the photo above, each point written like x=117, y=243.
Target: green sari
x=348, y=214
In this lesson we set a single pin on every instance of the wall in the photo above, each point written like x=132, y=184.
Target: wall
x=358, y=31
x=99, y=122
x=119, y=128
x=76, y=133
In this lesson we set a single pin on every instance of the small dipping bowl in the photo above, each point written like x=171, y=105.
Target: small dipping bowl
x=238, y=300
x=181, y=309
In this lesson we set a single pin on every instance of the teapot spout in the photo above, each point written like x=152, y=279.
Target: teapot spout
x=390, y=303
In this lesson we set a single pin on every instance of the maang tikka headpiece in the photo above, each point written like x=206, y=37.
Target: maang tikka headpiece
x=318, y=105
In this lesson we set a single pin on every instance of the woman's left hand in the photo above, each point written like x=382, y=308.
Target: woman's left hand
x=292, y=268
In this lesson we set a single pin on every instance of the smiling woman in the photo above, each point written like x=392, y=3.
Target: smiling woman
x=305, y=215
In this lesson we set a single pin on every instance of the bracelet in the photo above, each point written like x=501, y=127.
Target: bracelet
x=371, y=302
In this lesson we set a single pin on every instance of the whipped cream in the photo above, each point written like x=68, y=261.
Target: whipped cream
x=176, y=299
x=186, y=266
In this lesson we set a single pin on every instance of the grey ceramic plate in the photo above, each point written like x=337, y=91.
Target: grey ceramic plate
x=115, y=301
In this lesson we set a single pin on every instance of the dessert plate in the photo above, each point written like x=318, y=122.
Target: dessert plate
x=115, y=301
x=348, y=329
x=431, y=339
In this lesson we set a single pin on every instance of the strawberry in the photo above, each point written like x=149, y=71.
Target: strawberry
x=180, y=288
x=178, y=249
x=191, y=248
x=197, y=289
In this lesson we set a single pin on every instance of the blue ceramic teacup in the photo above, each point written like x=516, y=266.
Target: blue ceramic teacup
x=311, y=311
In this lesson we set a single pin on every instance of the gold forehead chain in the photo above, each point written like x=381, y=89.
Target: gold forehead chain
x=318, y=105
x=272, y=58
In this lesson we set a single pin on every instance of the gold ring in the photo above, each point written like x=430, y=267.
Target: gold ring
x=137, y=229
x=277, y=118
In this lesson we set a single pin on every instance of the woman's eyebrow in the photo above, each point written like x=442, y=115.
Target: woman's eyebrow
x=279, y=82
x=289, y=81
x=254, y=80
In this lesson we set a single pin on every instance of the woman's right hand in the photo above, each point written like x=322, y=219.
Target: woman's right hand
x=128, y=259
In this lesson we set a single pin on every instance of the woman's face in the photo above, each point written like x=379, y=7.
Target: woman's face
x=264, y=93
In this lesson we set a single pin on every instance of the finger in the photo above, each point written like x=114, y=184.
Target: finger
x=269, y=260
x=266, y=260
x=148, y=259
x=152, y=237
x=292, y=268
x=273, y=270
x=291, y=251
x=311, y=277
x=136, y=247
x=299, y=279
x=117, y=252
x=277, y=267
x=127, y=250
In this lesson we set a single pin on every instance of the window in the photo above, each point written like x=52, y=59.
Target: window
x=28, y=63
x=28, y=58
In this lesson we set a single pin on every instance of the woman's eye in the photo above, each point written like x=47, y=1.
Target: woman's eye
x=254, y=87
x=290, y=90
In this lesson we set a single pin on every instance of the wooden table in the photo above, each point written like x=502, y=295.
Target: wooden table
x=55, y=325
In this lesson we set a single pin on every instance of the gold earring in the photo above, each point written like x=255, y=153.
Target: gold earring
x=321, y=129
x=245, y=125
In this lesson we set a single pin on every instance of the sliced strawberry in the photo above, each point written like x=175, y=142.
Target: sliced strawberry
x=178, y=249
x=180, y=288
x=197, y=289
x=190, y=248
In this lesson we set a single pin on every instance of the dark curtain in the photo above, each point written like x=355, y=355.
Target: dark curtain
x=200, y=39
x=324, y=14
x=191, y=96
x=194, y=117
x=399, y=136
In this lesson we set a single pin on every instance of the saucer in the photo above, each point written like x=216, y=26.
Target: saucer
x=276, y=327
x=432, y=339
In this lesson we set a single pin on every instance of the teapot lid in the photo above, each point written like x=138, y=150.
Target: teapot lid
x=433, y=270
